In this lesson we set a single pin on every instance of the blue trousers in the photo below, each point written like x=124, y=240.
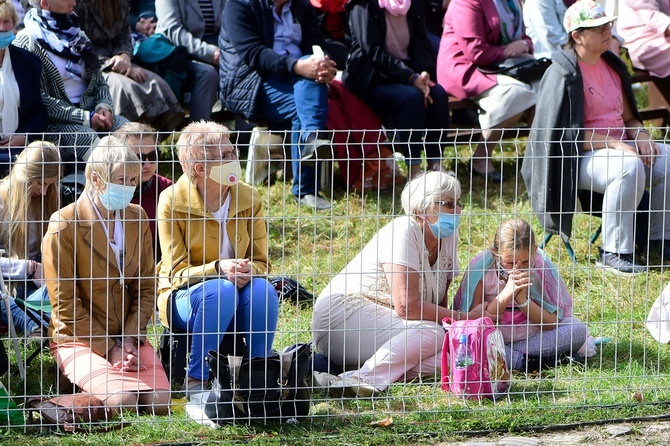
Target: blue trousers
x=402, y=107
x=22, y=322
x=304, y=104
x=210, y=309
x=204, y=82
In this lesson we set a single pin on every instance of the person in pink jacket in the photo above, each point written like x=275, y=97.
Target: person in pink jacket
x=645, y=28
x=480, y=33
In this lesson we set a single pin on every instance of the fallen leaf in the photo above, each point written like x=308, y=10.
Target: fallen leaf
x=386, y=422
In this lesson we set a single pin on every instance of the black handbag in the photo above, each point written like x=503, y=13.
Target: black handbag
x=525, y=69
x=271, y=389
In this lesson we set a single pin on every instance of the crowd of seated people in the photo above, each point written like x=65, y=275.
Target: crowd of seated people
x=205, y=237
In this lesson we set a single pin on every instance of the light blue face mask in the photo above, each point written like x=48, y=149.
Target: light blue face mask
x=6, y=38
x=117, y=196
x=445, y=225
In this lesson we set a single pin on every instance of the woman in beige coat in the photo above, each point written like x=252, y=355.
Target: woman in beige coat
x=99, y=270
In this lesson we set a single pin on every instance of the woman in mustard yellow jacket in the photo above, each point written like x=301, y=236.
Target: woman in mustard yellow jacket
x=213, y=236
x=99, y=270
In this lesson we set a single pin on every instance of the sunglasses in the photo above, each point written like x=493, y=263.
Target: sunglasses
x=148, y=157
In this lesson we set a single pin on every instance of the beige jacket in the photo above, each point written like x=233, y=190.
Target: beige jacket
x=91, y=302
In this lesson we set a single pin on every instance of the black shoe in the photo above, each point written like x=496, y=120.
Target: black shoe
x=536, y=363
x=623, y=264
x=659, y=253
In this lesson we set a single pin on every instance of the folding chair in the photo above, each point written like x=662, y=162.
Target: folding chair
x=592, y=203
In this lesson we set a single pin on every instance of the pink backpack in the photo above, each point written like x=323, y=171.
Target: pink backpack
x=489, y=375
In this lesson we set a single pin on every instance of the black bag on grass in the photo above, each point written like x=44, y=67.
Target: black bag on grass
x=270, y=389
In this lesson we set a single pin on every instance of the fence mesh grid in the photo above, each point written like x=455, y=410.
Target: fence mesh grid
x=312, y=247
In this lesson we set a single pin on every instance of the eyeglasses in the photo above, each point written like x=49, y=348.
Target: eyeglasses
x=601, y=29
x=150, y=157
x=451, y=204
x=231, y=155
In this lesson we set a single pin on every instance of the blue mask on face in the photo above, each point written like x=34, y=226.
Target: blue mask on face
x=445, y=225
x=6, y=38
x=117, y=196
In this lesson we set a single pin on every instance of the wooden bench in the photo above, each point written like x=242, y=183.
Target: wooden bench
x=461, y=135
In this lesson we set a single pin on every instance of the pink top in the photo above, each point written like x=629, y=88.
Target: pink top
x=513, y=324
x=397, y=36
x=642, y=24
x=603, y=99
x=470, y=39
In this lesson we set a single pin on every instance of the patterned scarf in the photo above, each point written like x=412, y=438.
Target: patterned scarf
x=511, y=23
x=396, y=7
x=61, y=34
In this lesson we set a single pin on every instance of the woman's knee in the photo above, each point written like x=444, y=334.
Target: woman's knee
x=117, y=402
x=260, y=291
x=155, y=402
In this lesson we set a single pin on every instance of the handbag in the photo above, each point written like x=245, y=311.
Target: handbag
x=271, y=389
x=525, y=69
x=159, y=55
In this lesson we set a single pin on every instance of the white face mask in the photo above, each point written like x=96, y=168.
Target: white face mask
x=227, y=174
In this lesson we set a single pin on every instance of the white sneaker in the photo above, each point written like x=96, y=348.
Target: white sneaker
x=338, y=386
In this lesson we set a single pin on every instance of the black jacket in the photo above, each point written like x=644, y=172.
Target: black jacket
x=32, y=113
x=247, y=57
x=368, y=60
x=551, y=160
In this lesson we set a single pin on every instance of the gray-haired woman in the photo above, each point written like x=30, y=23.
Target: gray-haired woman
x=99, y=269
x=379, y=319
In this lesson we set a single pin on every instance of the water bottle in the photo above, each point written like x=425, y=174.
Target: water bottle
x=463, y=355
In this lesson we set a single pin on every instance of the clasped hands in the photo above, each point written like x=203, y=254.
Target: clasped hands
x=238, y=271
x=321, y=71
x=126, y=356
x=102, y=120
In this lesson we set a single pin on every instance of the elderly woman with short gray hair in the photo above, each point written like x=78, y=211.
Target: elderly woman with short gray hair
x=215, y=253
x=379, y=319
x=99, y=271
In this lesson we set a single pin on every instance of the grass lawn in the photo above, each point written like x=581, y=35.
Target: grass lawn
x=627, y=378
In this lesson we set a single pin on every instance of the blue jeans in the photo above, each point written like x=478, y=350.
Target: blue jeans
x=22, y=322
x=404, y=106
x=210, y=309
x=303, y=103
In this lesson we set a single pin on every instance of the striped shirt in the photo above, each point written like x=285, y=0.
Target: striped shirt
x=208, y=15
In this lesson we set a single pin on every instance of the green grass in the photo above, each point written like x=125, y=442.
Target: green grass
x=314, y=246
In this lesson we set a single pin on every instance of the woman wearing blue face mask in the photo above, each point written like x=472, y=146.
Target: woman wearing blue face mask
x=213, y=236
x=99, y=271
x=22, y=115
x=379, y=318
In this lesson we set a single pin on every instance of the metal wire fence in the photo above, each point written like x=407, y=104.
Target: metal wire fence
x=99, y=303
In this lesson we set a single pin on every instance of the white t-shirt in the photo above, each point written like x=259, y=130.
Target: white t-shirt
x=400, y=242
x=226, y=250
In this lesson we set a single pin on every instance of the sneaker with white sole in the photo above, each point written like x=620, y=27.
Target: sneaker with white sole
x=622, y=264
x=348, y=387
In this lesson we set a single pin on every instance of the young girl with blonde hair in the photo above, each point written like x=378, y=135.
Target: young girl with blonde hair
x=516, y=281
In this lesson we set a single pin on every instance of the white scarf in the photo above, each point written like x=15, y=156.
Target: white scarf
x=9, y=97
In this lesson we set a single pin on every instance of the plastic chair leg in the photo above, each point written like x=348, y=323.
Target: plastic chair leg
x=596, y=234
x=568, y=247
